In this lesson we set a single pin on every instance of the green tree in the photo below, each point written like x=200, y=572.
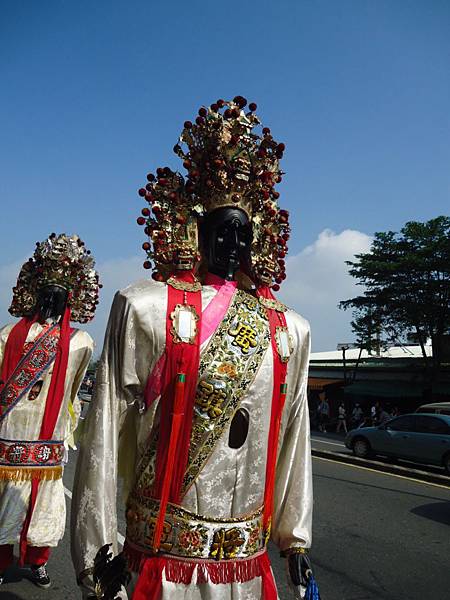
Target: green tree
x=406, y=279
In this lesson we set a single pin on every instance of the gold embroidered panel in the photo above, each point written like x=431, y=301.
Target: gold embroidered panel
x=194, y=536
x=228, y=367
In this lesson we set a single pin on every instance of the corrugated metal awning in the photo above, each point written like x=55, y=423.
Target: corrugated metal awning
x=320, y=383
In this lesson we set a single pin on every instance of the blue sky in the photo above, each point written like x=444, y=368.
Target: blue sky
x=94, y=95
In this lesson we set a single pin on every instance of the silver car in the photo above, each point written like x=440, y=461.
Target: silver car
x=419, y=437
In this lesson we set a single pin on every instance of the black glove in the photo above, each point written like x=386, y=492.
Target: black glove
x=299, y=569
x=110, y=574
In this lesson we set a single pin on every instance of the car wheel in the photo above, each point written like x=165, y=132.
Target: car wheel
x=361, y=448
x=447, y=463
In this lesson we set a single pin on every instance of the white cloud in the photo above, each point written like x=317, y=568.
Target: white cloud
x=318, y=279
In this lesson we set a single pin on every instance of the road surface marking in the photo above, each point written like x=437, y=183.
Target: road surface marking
x=325, y=442
x=120, y=537
x=445, y=487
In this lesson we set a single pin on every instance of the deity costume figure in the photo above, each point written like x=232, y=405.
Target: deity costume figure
x=43, y=361
x=200, y=401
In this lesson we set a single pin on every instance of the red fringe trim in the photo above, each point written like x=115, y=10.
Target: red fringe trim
x=149, y=584
x=180, y=570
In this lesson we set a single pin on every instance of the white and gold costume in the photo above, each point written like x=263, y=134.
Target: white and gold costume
x=23, y=424
x=228, y=489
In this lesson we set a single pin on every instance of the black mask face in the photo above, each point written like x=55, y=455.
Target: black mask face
x=227, y=237
x=51, y=302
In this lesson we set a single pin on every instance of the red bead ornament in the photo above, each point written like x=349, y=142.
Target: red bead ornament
x=202, y=111
x=252, y=106
x=188, y=125
x=142, y=192
x=146, y=246
x=147, y=264
x=240, y=101
x=275, y=287
x=220, y=103
x=145, y=212
x=140, y=221
x=227, y=114
x=160, y=171
x=200, y=121
x=150, y=177
x=214, y=107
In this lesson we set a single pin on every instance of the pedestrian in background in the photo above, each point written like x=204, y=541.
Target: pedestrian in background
x=342, y=421
x=357, y=415
x=324, y=413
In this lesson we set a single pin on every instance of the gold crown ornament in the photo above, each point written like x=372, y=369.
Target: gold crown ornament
x=228, y=164
x=63, y=261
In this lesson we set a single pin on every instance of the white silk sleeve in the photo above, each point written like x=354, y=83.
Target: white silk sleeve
x=75, y=401
x=293, y=496
x=94, y=511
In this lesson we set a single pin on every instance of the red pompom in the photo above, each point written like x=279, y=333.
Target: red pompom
x=275, y=287
x=142, y=192
x=140, y=221
x=187, y=125
x=147, y=264
x=220, y=103
x=146, y=246
x=202, y=111
x=145, y=212
x=150, y=177
x=252, y=106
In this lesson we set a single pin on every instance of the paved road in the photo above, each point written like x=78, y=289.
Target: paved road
x=376, y=537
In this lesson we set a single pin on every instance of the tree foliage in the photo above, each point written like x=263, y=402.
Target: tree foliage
x=406, y=279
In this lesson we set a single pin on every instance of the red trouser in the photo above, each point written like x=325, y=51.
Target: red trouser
x=35, y=555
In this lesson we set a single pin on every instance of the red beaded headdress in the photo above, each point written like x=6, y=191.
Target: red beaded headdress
x=228, y=164
x=59, y=260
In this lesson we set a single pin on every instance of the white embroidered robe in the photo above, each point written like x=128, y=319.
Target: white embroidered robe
x=232, y=481
x=24, y=422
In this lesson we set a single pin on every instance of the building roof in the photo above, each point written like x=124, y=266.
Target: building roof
x=353, y=353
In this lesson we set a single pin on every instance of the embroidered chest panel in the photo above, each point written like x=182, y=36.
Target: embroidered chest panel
x=38, y=356
x=228, y=367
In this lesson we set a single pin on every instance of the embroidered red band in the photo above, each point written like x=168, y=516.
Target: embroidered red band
x=41, y=453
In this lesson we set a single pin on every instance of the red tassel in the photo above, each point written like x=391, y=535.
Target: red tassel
x=177, y=419
x=276, y=319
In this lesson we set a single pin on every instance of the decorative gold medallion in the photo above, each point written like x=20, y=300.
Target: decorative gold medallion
x=184, y=324
x=273, y=304
x=184, y=286
x=285, y=346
